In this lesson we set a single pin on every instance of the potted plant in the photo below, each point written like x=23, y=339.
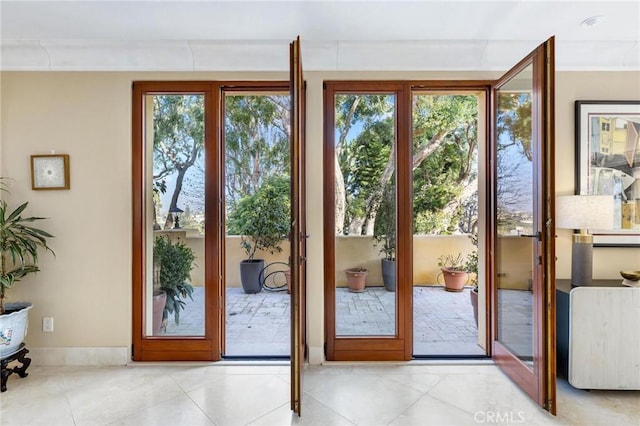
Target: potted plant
x=159, y=298
x=262, y=220
x=176, y=261
x=356, y=279
x=19, y=246
x=472, y=267
x=384, y=235
x=453, y=271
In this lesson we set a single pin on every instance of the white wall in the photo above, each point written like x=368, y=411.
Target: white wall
x=87, y=288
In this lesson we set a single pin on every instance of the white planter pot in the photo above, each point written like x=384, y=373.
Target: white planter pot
x=13, y=327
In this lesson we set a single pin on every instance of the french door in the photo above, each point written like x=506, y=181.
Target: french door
x=180, y=204
x=522, y=229
x=298, y=236
x=173, y=142
x=163, y=248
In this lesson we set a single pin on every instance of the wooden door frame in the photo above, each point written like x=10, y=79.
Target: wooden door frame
x=381, y=348
x=539, y=382
x=298, y=234
x=184, y=348
x=175, y=348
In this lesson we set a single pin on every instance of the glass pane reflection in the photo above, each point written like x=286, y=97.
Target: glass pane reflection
x=515, y=216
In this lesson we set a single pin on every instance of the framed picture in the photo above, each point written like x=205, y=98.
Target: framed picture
x=608, y=163
x=50, y=171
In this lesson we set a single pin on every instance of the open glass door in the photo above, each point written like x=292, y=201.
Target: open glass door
x=298, y=227
x=522, y=225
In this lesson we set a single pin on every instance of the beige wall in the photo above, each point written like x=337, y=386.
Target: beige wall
x=87, y=288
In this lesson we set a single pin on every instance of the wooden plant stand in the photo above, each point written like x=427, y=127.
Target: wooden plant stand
x=6, y=371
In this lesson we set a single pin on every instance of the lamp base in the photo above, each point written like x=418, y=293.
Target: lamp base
x=582, y=260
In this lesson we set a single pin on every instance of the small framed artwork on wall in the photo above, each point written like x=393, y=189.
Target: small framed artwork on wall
x=50, y=171
x=608, y=163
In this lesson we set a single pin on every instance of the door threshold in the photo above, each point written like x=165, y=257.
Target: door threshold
x=432, y=361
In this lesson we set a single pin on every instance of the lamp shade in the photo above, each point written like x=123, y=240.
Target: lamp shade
x=584, y=211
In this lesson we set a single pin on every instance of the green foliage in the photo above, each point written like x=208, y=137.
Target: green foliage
x=444, y=153
x=471, y=264
x=363, y=161
x=438, y=181
x=384, y=231
x=514, y=122
x=19, y=243
x=263, y=219
x=452, y=262
x=256, y=143
x=176, y=262
x=178, y=139
x=431, y=222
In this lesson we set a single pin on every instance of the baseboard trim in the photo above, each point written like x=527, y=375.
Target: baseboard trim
x=316, y=355
x=95, y=356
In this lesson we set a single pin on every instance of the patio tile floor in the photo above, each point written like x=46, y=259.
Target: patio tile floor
x=258, y=324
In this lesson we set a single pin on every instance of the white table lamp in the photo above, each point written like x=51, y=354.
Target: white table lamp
x=583, y=212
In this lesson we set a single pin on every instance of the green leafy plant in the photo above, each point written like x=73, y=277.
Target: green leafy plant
x=263, y=219
x=384, y=231
x=176, y=262
x=452, y=262
x=471, y=264
x=19, y=244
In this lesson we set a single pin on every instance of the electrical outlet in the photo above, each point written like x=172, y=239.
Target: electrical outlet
x=47, y=324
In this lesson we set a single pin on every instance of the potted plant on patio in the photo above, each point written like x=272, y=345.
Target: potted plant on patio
x=471, y=267
x=159, y=298
x=453, y=271
x=263, y=221
x=176, y=261
x=384, y=235
x=20, y=242
x=356, y=279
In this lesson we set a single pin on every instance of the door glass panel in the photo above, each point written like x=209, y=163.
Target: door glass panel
x=365, y=214
x=515, y=216
x=445, y=223
x=257, y=218
x=175, y=237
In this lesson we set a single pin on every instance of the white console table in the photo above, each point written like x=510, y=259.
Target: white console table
x=603, y=335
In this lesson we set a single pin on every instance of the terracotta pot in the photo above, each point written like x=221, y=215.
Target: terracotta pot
x=454, y=280
x=356, y=279
x=159, y=302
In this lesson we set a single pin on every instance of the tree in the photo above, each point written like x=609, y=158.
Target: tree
x=514, y=158
x=352, y=110
x=263, y=218
x=444, y=154
x=178, y=138
x=256, y=143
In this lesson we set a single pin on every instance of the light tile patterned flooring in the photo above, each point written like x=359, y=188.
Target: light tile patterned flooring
x=337, y=394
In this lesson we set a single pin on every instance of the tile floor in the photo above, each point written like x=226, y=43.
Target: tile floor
x=336, y=394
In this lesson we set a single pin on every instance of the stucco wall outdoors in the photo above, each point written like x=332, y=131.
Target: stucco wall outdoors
x=87, y=287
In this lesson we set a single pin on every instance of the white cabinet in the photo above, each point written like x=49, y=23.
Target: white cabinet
x=604, y=338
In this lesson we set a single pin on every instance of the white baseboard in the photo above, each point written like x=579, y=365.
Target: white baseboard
x=78, y=356
x=316, y=355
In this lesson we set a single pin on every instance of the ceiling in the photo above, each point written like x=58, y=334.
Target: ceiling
x=242, y=35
